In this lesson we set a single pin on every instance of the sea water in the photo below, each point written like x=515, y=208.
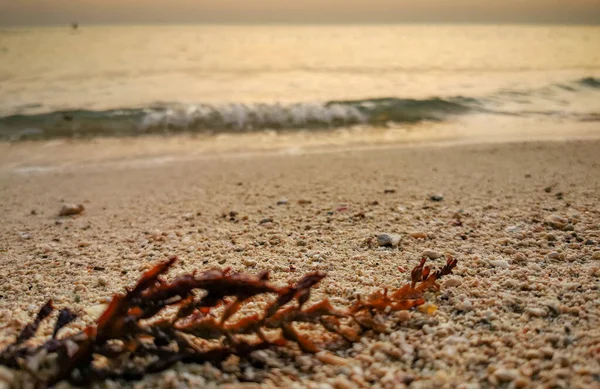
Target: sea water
x=133, y=80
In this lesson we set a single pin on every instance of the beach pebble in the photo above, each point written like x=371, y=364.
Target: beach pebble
x=96, y=310
x=436, y=197
x=432, y=254
x=188, y=216
x=501, y=263
x=388, y=240
x=547, y=352
x=596, y=255
x=71, y=209
x=342, y=382
x=535, y=267
x=470, y=385
x=331, y=359
x=556, y=221
x=533, y=354
x=553, y=255
x=513, y=228
x=249, y=262
x=428, y=308
x=45, y=248
x=25, y=235
x=403, y=316
x=102, y=281
x=537, y=312
x=418, y=235
x=282, y=202
x=465, y=305
x=506, y=375
x=452, y=282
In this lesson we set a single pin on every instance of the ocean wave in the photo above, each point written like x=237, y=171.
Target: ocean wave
x=590, y=82
x=234, y=117
x=237, y=117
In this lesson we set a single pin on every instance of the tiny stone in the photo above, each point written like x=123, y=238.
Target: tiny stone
x=522, y=382
x=520, y=257
x=452, y=282
x=25, y=235
x=537, y=312
x=45, y=248
x=188, y=216
x=596, y=255
x=464, y=306
x=513, y=229
x=249, y=262
x=501, y=263
x=432, y=254
x=418, y=235
x=331, y=359
x=388, y=240
x=547, y=352
x=403, y=316
x=71, y=209
x=96, y=310
x=102, y=281
x=556, y=221
x=535, y=266
x=282, y=202
x=470, y=385
x=506, y=375
x=552, y=255
x=532, y=354
x=436, y=197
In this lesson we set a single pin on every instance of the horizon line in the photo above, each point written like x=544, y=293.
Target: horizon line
x=304, y=23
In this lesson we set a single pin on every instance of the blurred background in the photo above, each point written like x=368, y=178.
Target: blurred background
x=72, y=69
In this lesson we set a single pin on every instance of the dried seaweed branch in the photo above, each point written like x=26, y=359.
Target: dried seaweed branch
x=135, y=326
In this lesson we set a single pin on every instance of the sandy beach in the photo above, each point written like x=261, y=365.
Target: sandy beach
x=523, y=219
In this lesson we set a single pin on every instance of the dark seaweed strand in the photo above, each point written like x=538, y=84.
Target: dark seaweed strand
x=173, y=339
x=32, y=327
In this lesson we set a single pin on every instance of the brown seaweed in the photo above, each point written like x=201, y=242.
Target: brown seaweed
x=203, y=327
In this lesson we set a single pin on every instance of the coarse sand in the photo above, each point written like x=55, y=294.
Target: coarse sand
x=523, y=219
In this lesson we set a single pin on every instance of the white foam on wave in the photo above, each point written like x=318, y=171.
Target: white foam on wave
x=250, y=116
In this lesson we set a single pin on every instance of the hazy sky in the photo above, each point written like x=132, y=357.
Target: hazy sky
x=42, y=12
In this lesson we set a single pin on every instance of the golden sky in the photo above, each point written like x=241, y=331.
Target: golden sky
x=35, y=12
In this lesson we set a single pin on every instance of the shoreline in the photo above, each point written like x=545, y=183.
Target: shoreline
x=107, y=152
